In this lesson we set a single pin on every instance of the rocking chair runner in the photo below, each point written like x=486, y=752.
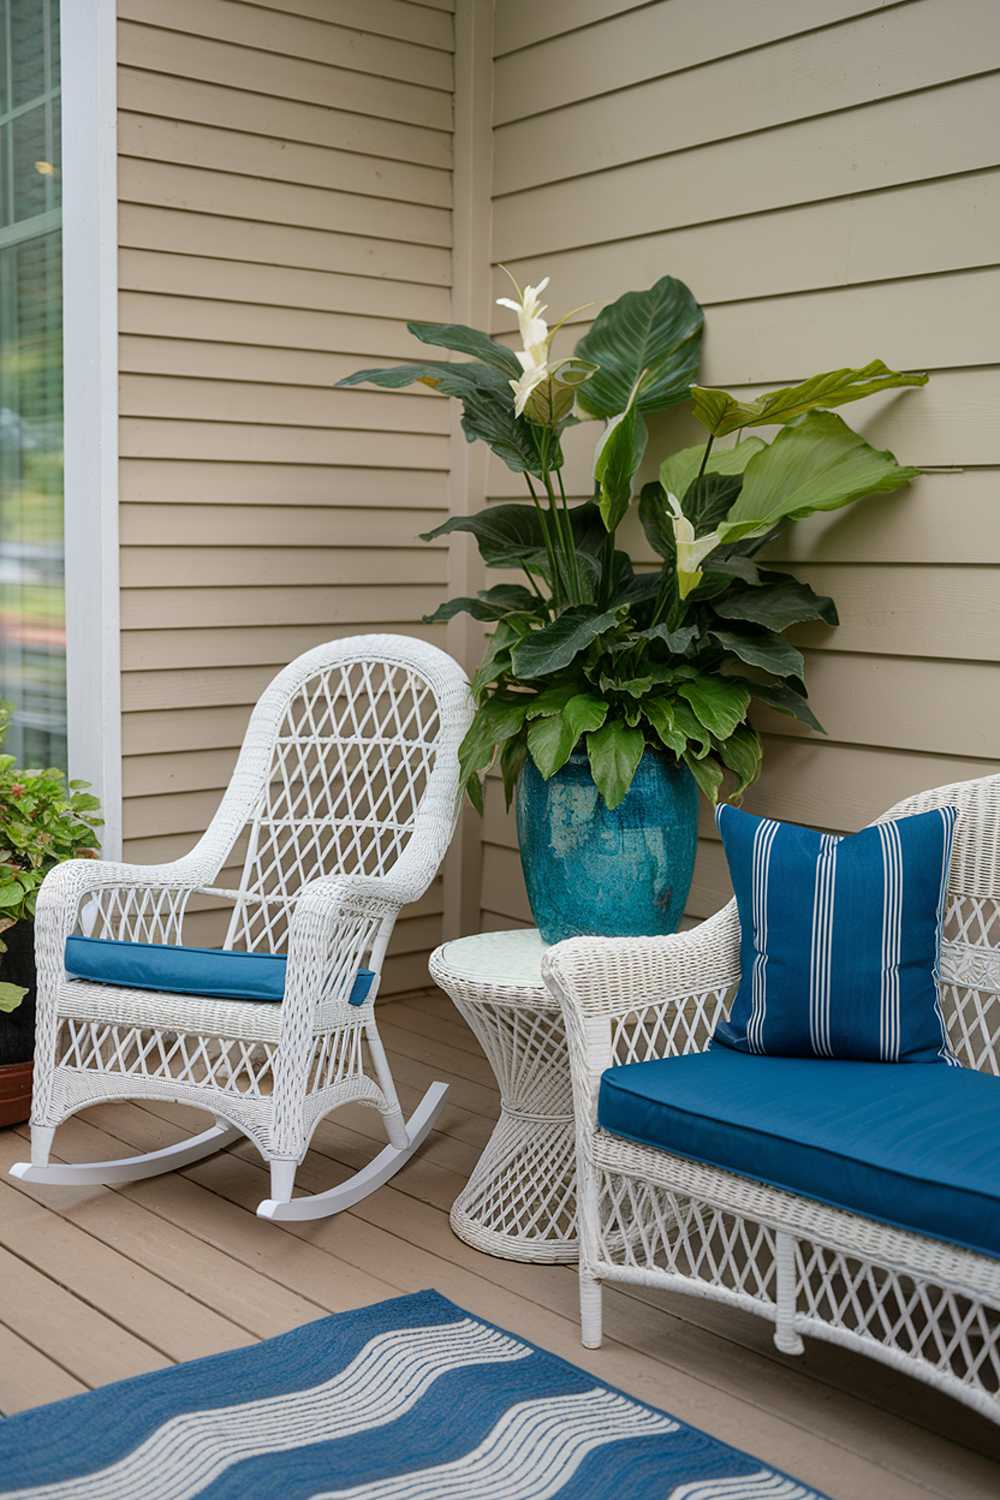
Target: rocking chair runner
x=346, y=787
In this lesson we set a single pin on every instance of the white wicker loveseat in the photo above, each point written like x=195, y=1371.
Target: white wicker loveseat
x=652, y=1218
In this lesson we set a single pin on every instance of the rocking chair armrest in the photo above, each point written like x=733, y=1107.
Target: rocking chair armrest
x=338, y=923
x=69, y=884
x=67, y=887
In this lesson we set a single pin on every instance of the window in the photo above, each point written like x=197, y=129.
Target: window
x=32, y=602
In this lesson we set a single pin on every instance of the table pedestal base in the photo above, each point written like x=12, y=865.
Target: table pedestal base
x=520, y=1201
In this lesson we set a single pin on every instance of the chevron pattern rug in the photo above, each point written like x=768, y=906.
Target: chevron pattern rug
x=412, y=1399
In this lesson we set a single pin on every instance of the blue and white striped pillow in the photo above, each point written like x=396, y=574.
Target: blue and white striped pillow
x=839, y=938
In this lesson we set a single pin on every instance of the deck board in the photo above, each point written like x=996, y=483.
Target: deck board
x=109, y=1282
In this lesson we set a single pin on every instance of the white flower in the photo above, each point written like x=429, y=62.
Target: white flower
x=691, y=550
x=536, y=370
x=534, y=329
x=533, y=356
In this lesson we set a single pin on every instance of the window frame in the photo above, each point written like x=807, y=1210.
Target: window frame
x=90, y=404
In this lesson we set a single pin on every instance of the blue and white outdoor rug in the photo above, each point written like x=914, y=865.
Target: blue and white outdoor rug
x=412, y=1399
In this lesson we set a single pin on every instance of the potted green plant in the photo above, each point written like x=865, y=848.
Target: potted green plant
x=43, y=821
x=609, y=694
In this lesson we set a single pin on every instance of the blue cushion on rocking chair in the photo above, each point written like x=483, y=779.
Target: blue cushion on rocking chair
x=221, y=973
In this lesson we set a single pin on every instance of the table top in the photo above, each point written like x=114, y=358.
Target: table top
x=497, y=960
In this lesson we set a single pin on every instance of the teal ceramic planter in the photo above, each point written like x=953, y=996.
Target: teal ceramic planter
x=591, y=871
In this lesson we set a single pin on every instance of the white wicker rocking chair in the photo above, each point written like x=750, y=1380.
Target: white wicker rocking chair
x=346, y=788
x=651, y=1218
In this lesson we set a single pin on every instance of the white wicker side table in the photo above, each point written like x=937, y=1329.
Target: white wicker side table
x=520, y=1201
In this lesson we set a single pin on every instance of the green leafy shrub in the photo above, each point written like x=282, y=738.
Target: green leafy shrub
x=589, y=649
x=43, y=821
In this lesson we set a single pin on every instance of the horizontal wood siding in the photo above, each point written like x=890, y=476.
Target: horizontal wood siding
x=285, y=206
x=819, y=172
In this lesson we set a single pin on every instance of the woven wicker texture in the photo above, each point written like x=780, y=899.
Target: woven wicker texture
x=648, y=1217
x=520, y=1201
x=345, y=792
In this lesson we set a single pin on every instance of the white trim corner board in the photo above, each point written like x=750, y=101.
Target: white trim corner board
x=90, y=363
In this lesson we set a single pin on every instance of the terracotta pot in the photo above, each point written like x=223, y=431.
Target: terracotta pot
x=15, y=1093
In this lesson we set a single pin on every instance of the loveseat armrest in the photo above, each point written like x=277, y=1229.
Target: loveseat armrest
x=633, y=999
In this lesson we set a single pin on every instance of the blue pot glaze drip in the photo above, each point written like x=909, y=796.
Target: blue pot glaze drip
x=591, y=871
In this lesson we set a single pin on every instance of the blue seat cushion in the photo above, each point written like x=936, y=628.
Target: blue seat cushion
x=916, y=1147
x=839, y=938
x=223, y=974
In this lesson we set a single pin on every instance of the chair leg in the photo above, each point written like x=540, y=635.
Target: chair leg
x=395, y=1129
x=591, y=1331
x=786, y=1339
x=367, y=1179
x=42, y=1137
x=283, y=1180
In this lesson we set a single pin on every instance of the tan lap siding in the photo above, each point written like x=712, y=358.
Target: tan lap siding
x=285, y=207
x=820, y=175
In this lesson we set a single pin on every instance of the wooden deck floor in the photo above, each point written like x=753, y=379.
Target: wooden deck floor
x=97, y=1284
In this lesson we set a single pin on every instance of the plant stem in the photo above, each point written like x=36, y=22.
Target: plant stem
x=704, y=456
x=607, y=560
x=569, y=542
x=534, y=586
x=556, y=577
x=565, y=531
x=661, y=597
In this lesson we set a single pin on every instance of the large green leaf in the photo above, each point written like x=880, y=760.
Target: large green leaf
x=718, y=702
x=726, y=563
x=512, y=757
x=709, y=498
x=659, y=712
x=495, y=721
x=787, y=701
x=488, y=416
x=654, y=334
x=615, y=751
x=656, y=519
x=512, y=598
x=769, y=652
x=505, y=534
x=468, y=341
x=449, y=377
x=486, y=397
x=817, y=464
x=743, y=753
x=776, y=602
x=678, y=472
x=552, y=700
x=707, y=773
x=551, y=740
x=556, y=645
x=551, y=403
x=496, y=657
x=677, y=640
x=721, y=413
x=489, y=604
x=688, y=724
x=618, y=458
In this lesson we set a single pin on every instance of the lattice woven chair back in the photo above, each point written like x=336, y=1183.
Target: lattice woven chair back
x=340, y=810
x=352, y=757
x=970, y=950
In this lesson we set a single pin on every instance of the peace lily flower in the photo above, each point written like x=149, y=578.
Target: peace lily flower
x=691, y=550
x=535, y=337
x=534, y=329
